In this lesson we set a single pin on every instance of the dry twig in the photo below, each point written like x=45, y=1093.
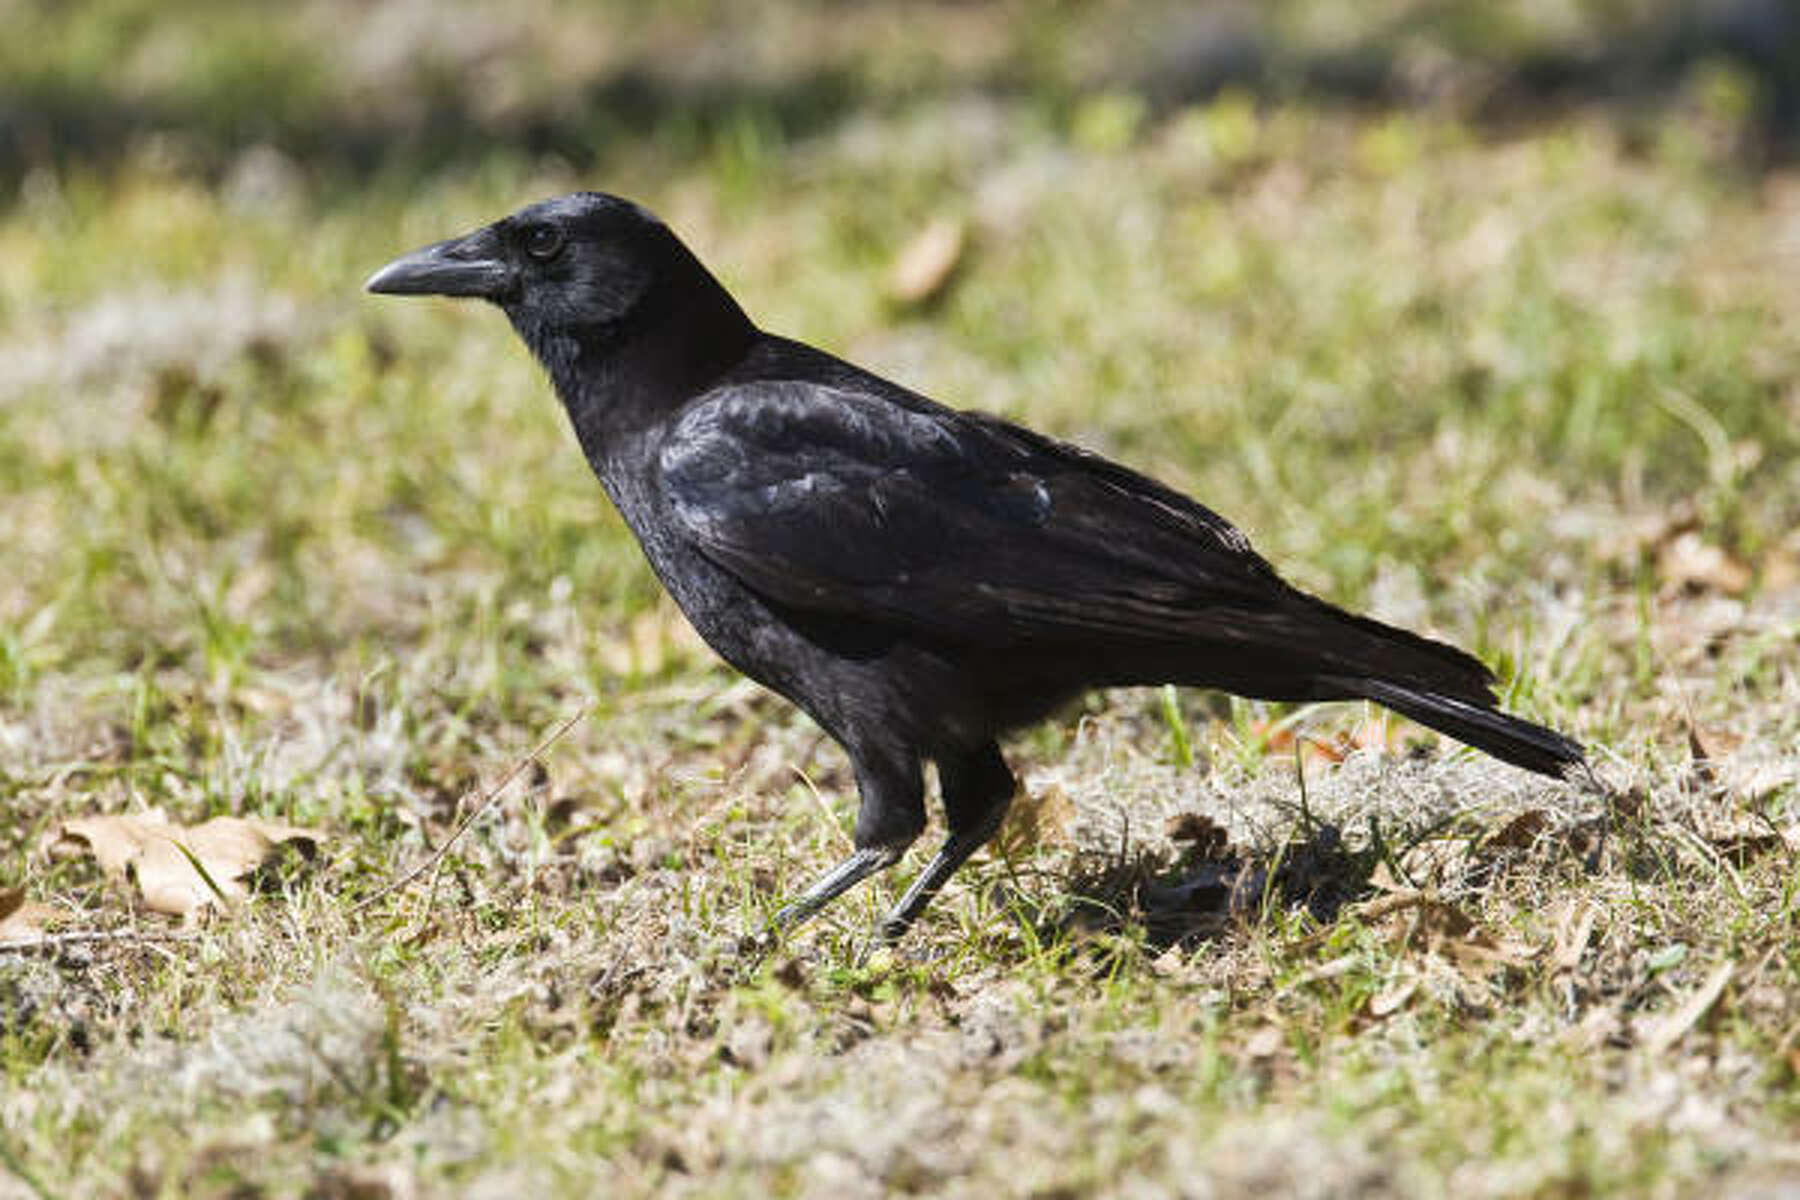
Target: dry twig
x=487, y=797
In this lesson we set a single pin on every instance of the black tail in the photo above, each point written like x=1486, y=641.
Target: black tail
x=1508, y=738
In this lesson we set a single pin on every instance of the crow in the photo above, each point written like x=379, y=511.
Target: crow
x=918, y=579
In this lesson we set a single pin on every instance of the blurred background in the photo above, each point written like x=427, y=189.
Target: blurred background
x=1480, y=315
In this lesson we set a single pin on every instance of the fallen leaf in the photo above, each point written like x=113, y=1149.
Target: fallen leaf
x=1442, y=929
x=1706, y=751
x=1483, y=950
x=1721, y=761
x=1392, y=998
x=1388, y=736
x=1335, y=751
x=1672, y=1028
x=1520, y=833
x=922, y=269
x=19, y=919
x=1275, y=737
x=1040, y=820
x=180, y=870
x=1689, y=563
x=1436, y=920
x=1714, y=744
x=1378, y=734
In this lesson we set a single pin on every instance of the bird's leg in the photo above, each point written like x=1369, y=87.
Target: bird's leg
x=978, y=789
x=890, y=819
x=835, y=882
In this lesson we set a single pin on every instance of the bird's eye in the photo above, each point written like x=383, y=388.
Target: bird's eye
x=543, y=242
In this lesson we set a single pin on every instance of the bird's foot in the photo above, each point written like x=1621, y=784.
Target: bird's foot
x=836, y=882
x=955, y=852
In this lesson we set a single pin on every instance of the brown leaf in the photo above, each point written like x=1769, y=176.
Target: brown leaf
x=1381, y=734
x=167, y=861
x=1520, y=833
x=1705, y=751
x=791, y=973
x=1451, y=934
x=1689, y=563
x=1720, y=761
x=1483, y=950
x=1335, y=751
x=1392, y=998
x=20, y=920
x=1040, y=820
x=1711, y=745
x=926, y=264
x=1274, y=737
x=1369, y=735
x=1438, y=920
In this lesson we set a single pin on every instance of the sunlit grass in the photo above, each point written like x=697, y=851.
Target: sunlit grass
x=275, y=547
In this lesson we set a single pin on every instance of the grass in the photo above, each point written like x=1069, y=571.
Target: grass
x=274, y=548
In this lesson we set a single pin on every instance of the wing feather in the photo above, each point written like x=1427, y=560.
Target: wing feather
x=958, y=525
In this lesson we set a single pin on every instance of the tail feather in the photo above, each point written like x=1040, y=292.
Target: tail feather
x=1352, y=648
x=1508, y=738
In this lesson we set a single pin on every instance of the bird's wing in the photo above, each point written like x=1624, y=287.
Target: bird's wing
x=953, y=524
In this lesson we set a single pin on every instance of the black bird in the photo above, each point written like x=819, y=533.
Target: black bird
x=918, y=579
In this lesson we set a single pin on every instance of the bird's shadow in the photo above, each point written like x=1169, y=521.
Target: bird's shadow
x=1204, y=890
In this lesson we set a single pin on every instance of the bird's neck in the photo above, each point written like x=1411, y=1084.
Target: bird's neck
x=621, y=379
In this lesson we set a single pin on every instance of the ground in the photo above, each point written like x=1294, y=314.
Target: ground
x=1525, y=377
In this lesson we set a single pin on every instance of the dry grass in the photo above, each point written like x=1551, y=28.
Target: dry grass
x=272, y=549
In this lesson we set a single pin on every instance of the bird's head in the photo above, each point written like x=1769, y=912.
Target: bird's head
x=577, y=259
x=582, y=277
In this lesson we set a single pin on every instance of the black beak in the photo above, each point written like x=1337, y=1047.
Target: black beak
x=472, y=265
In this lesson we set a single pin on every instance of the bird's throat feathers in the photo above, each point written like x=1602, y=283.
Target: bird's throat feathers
x=628, y=372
